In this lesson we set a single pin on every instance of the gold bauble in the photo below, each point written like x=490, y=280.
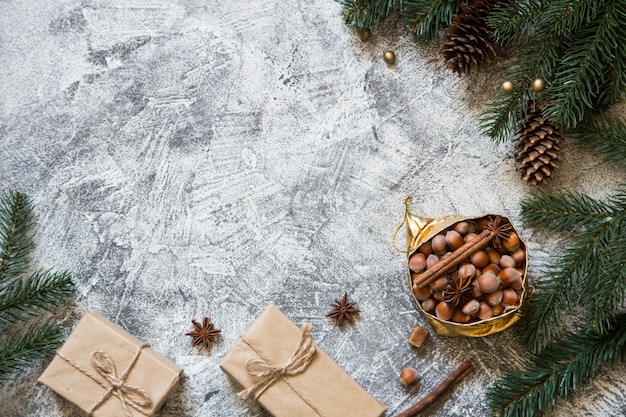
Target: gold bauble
x=508, y=87
x=539, y=85
x=365, y=34
x=389, y=57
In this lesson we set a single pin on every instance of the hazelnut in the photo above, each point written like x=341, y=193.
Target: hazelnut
x=485, y=311
x=429, y=305
x=467, y=270
x=471, y=307
x=462, y=227
x=509, y=297
x=512, y=243
x=488, y=283
x=498, y=309
x=454, y=240
x=444, y=311
x=421, y=293
x=519, y=256
x=482, y=223
x=438, y=243
x=409, y=377
x=460, y=317
x=494, y=256
x=507, y=261
x=417, y=262
x=493, y=298
x=440, y=283
x=425, y=248
x=511, y=277
x=491, y=269
x=431, y=260
x=476, y=290
x=480, y=259
x=469, y=237
x=437, y=295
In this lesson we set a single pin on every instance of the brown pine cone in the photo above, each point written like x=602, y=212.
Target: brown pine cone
x=467, y=38
x=537, y=148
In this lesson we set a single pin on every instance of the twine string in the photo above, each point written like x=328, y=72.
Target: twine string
x=129, y=396
x=267, y=374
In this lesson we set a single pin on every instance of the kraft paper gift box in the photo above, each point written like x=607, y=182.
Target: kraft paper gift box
x=319, y=388
x=108, y=372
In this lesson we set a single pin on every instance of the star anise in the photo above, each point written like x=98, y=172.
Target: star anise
x=343, y=310
x=205, y=333
x=500, y=229
x=458, y=291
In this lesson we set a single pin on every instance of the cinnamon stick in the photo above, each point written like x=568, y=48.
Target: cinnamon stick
x=456, y=376
x=454, y=258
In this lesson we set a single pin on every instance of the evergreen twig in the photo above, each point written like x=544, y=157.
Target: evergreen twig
x=425, y=18
x=588, y=272
x=31, y=344
x=23, y=297
x=576, y=47
x=606, y=136
x=558, y=371
x=587, y=54
x=367, y=14
x=16, y=224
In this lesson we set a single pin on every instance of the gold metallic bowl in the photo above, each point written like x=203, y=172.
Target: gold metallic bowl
x=418, y=231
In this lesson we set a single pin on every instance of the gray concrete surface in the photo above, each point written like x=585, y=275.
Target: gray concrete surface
x=206, y=158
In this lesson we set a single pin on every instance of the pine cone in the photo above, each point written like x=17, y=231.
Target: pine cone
x=467, y=38
x=537, y=148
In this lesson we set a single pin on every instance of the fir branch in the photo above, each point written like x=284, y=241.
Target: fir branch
x=514, y=22
x=33, y=343
x=558, y=371
x=563, y=211
x=613, y=91
x=580, y=76
x=367, y=14
x=16, y=224
x=43, y=290
x=592, y=264
x=426, y=17
x=604, y=135
x=505, y=111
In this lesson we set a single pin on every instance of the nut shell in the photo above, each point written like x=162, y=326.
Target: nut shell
x=444, y=311
x=417, y=262
x=409, y=377
x=488, y=283
x=454, y=240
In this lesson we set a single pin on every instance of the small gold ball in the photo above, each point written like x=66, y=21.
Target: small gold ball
x=539, y=85
x=508, y=87
x=365, y=34
x=390, y=57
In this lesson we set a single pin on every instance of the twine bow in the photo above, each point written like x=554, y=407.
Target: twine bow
x=128, y=395
x=267, y=374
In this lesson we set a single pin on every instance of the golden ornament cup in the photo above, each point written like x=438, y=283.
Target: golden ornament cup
x=420, y=230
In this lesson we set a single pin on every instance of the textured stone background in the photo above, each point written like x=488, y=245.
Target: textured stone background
x=192, y=158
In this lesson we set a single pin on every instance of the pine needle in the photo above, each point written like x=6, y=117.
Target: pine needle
x=558, y=371
x=42, y=291
x=589, y=271
x=605, y=136
x=32, y=343
x=23, y=297
x=16, y=235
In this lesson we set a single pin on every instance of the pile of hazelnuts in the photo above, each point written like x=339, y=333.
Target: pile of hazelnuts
x=493, y=275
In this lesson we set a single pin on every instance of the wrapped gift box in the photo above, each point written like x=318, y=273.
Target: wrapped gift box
x=321, y=389
x=108, y=372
